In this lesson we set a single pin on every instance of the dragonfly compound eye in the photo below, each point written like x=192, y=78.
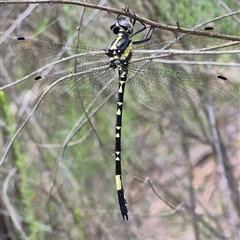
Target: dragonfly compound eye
x=123, y=24
x=126, y=25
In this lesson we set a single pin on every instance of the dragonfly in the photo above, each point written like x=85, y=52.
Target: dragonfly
x=155, y=70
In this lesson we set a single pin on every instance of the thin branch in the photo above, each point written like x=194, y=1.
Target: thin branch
x=222, y=169
x=217, y=19
x=128, y=14
x=14, y=25
x=225, y=6
x=30, y=116
x=13, y=214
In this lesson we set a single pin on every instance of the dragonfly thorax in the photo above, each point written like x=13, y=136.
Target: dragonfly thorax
x=120, y=51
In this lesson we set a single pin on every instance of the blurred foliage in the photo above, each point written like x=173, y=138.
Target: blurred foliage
x=68, y=191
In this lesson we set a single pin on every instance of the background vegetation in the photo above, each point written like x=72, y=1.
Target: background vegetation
x=58, y=176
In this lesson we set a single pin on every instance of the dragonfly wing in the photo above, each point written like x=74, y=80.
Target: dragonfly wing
x=167, y=89
x=182, y=83
x=73, y=76
x=41, y=53
x=78, y=90
x=198, y=44
x=186, y=42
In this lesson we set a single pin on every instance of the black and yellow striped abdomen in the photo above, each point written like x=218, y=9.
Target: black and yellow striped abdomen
x=120, y=53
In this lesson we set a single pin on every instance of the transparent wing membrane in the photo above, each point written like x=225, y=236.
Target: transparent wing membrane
x=186, y=42
x=72, y=76
x=78, y=76
x=179, y=85
x=178, y=90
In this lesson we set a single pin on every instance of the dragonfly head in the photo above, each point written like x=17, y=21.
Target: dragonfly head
x=122, y=24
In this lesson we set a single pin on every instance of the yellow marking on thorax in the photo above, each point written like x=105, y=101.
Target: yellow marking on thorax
x=126, y=52
x=114, y=44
